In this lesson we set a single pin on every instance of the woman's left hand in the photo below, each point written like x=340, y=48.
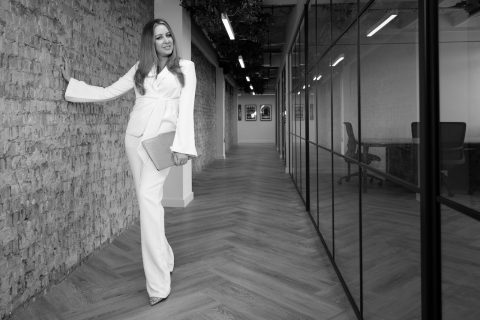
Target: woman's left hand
x=180, y=158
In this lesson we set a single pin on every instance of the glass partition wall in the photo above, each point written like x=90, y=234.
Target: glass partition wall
x=459, y=158
x=362, y=126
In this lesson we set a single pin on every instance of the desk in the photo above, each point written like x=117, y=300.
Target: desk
x=401, y=158
x=382, y=142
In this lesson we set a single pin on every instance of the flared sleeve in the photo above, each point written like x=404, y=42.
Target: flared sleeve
x=79, y=91
x=184, y=141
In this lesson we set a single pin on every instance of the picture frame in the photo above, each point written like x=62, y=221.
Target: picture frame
x=250, y=112
x=265, y=112
x=239, y=112
x=310, y=111
x=299, y=112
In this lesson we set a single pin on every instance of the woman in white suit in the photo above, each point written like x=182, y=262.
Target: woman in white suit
x=164, y=88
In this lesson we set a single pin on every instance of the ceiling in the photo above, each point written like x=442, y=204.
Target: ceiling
x=260, y=29
x=276, y=41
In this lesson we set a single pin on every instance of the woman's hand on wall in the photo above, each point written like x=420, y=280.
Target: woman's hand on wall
x=65, y=68
x=179, y=158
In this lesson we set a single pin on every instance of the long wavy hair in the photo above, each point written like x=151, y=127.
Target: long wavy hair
x=149, y=59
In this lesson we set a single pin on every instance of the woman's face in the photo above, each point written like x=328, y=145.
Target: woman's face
x=163, y=41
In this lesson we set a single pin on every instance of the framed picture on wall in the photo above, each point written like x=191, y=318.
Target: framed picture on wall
x=312, y=116
x=250, y=112
x=299, y=112
x=239, y=112
x=265, y=112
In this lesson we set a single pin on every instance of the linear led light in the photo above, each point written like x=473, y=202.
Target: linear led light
x=314, y=78
x=253, y=94
x=240, y=60
x=338, y=60
x=382, y=23
x=248, y=78
x=251, y=87
x=319, y=77
x=228, y=26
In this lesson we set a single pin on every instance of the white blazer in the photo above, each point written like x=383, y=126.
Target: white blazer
x=165, y=106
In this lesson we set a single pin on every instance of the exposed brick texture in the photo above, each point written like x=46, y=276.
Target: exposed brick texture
x=65, y=188
x=231, y=118
x=205, y=111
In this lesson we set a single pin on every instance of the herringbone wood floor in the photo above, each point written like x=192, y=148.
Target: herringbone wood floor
x=244, y=249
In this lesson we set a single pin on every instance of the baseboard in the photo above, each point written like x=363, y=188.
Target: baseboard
x=177, y=202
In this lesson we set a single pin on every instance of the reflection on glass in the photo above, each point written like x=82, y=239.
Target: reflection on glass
x=323, y=27
x=301, y=79
x=298, y=163
x=390, y=213
x=312, y=105
x=391, y=253
x=343, y=14
x=325, y=196
x=362, y=3
x=459, y=54
x=295, y=128
x=389, y=88
x=303, y=169
x=292, y=156
x=312, y=32
x=313, y=184
x=460, y=266
x=347, y=235
x=289, y=127
x=322, y=85
x=343, y=67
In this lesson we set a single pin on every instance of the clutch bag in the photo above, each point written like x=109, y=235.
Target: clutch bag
x=158, y=149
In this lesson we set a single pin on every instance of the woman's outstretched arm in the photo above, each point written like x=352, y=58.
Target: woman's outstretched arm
x=79, y=91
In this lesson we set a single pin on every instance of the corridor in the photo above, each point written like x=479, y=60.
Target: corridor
x=244, y=249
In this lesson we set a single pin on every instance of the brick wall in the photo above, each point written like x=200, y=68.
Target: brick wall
x=205, y=112
x=231, y=118
x=64, y=184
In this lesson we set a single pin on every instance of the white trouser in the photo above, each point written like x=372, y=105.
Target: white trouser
x=157, y=255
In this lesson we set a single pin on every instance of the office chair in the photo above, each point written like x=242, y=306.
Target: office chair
x=353, y=153
x=452, y=138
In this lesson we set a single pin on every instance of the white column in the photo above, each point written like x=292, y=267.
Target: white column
x=220, y=117
x=178, y=186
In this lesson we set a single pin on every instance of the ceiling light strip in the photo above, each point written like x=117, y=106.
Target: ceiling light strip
x=228, y=26
x=240, y=60
x=338, y=60
x=382, y=23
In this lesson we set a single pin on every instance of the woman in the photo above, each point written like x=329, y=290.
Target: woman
x=164, y=88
